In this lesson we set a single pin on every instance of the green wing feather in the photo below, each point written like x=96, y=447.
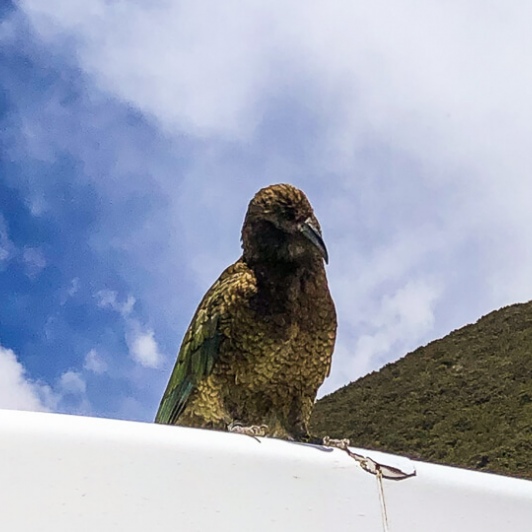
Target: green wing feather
x=201, y=344
x=195, y=360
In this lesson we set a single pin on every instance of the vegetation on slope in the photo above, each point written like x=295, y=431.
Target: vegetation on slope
x=464, y=400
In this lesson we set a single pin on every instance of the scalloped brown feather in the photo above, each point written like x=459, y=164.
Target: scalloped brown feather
x=261, y=341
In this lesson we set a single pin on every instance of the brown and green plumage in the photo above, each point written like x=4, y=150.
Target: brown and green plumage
x=260, y=343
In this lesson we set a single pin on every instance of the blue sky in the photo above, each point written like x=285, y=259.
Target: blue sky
x=133, y=134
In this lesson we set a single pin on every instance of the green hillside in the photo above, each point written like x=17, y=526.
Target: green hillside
x=464, y=400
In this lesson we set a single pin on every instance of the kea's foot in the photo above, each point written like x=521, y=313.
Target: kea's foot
x=326, y=441
x=251, y=430
x=340, y=444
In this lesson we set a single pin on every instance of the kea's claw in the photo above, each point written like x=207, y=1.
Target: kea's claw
x=340, y=444
x=251, y=430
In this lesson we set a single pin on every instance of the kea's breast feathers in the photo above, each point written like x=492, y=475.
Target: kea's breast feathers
x=284, y=341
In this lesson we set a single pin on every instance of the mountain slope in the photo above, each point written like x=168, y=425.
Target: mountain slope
x=464, y=400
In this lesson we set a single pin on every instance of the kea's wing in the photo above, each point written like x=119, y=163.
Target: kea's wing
x=201, y=344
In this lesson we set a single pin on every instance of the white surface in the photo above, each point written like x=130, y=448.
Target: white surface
x=64, y=473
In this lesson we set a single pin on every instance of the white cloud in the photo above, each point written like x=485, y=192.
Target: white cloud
x=6, y=246
x=420, y=158
x=34, y=261
x=71, y=382
x=17, y=392
x=71, y=388
x=74, y=287
x=182, y=73
x=400, y=321
x=70, y=291
x=143, y=348
x=109, y=299
x=94, y=362
x=392, y=326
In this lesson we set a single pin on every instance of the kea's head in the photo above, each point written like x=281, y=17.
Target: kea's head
x=280, y=226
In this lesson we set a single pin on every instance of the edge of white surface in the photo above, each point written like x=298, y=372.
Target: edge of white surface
x=142, y=433
x=83, y=471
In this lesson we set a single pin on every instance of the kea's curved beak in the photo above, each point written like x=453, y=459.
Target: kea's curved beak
x=310, y=231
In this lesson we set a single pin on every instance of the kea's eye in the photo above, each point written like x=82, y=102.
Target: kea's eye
x=290, y=215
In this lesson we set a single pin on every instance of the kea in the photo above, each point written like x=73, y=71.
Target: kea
x=260, y=343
